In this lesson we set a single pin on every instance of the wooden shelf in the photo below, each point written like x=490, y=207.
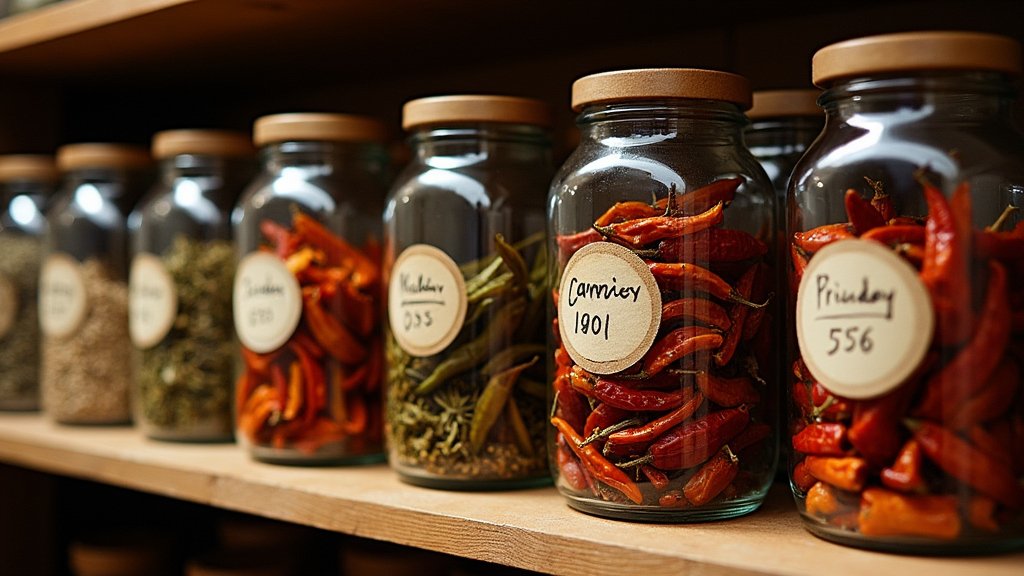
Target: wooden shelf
x=531, y=529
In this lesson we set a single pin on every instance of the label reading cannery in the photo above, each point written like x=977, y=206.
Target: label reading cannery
x=8, y=304
x=267, y=302
x=62, y=299
x=609, y=308
x=864, y=319
x=152, y=301
x=426, y=300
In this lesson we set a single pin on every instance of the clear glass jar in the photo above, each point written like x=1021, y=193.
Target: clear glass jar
x=663, y=362
x=783, y=123
x=307, y=291
x=179, y=288
x=83, y=286
x=465, y=261
x=907, y=282
x=26, y=185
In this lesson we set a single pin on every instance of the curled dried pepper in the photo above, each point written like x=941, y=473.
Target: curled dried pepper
x=692, y=443
x=727, y=392
x=944, y=270
x=846, y=473
x=365, y=272
x=329, y=333
x=633, y=441
x=716, y=245
x=598, y=465
x=905, y=473
x=738, y=316
x=990, y=402
x=617, y=394
x=677, y=344
x=630, y=210
x=861, y=214
x=692, y=278
x=821, y=439
x=712, y=477
x=642, y=231
x=701, y=199
x=885, y=513
x=699, y=310
x=815, y=239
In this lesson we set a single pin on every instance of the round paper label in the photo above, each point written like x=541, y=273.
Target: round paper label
x=609, y=308
x=426, y=300
x=8, y=304
x=152, y=301
x=267, y=302
x=864, y=319
x=63, y=302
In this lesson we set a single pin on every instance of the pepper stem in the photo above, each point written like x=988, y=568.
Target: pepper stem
x=732, y=456
x=876, y=185
x=736, y=297
x=819, y=410
x=601, y=434
x=639, y=461
x=1010, y=209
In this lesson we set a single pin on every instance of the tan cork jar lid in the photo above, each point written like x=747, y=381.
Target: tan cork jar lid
x=915, y=51
x=660, y=83
x=785, y=103
x=31, y=167
x=201, y=142
x=467, y=108
x=95, y=155
x=317, y=127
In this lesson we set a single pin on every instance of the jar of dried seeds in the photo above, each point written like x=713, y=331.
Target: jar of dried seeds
x=179, y=287
x=83, y=292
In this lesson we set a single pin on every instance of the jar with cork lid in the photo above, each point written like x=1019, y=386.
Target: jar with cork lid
x=83, y=294
x=466, y=280
x=306, y=293
x=180, y=283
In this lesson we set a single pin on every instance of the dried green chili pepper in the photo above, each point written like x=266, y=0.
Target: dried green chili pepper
x=492, y=401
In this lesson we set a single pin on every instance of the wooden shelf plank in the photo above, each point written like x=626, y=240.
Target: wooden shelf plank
x=531, y=529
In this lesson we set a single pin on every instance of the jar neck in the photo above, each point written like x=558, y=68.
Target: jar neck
x=780, y=136
x=708, y=122
x=322, y=157
x=510, y=142
x=965, y=98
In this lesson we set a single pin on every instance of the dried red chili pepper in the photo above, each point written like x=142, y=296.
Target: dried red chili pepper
x=569, y=466
x=738, y=316
x=569, y=245
x=990, y=402
x=801, y=477
x=817, y=238
x=692, y=443
x=905, y=473
x=727, y=392
x=712, y=477
x=617, y=394
x=975, y=363
x=945, y=270
x=885, y=513
x=570, y=405
x=966, y=463
x=710, y=246
x=703, y=198
x=846, y=473
x=821, y=500
x=656, y=477
x=692, y=278
x=753, y=434
x=696, y=310
x=981, y=512
x=821, y=439
x=285, y=243
x=875, y=432
x=598, y=465
x=861, y=214
x=633, y=441
x=601, y=417
x=365, y=272
x=643, y=231
x=897, y=234
x=677, y=344
x=630, y=210
x=993, y=447
x=882, y=202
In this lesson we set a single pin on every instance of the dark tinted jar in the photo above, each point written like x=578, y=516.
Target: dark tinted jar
x=307, y=291
x=465, y=259
x=180, y=283
x=906, y=246
x=83, y=287
x=662, y=354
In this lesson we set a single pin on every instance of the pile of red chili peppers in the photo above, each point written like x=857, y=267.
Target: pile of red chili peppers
x=942, y=455
x=319, y=394
x=684, y=427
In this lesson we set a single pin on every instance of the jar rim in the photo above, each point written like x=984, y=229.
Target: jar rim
x=785, y=103
x=474, y=108
x=170, y=143
x=316, y=126
x=101, y=155
x=30, y=167
x=660, y=84
x=915, y=52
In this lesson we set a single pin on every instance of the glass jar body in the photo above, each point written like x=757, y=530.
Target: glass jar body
x=667, y=188
x=22, y=225
x=307, y=236
x=83, y=298
x=912, y=169
x=468, y=212
x=180, y=299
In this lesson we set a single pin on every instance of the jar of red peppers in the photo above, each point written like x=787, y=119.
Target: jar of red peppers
x=307, y=291
x=907, y=287
x=467, y=283
x=86, y=375
x=662, y=360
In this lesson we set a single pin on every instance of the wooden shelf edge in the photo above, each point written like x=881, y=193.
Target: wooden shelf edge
x=531, y=529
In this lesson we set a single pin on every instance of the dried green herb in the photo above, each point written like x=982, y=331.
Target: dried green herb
x=19, y=344
x=472, y=412
x=185, y=381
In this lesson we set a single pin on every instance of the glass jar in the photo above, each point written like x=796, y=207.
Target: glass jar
x=83, y=284
x=179, y=288
x=907, y=278
x=464, y=255
x=783, y=123
x=26, y=184
x=307, y=291
x=660, y=227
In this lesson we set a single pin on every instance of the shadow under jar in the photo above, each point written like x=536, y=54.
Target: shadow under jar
x=26, y=185
x=466, y=264
x=83, y=285
x=307, y=292
x=662, y=321
x=907, y=283
x=179, y=286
